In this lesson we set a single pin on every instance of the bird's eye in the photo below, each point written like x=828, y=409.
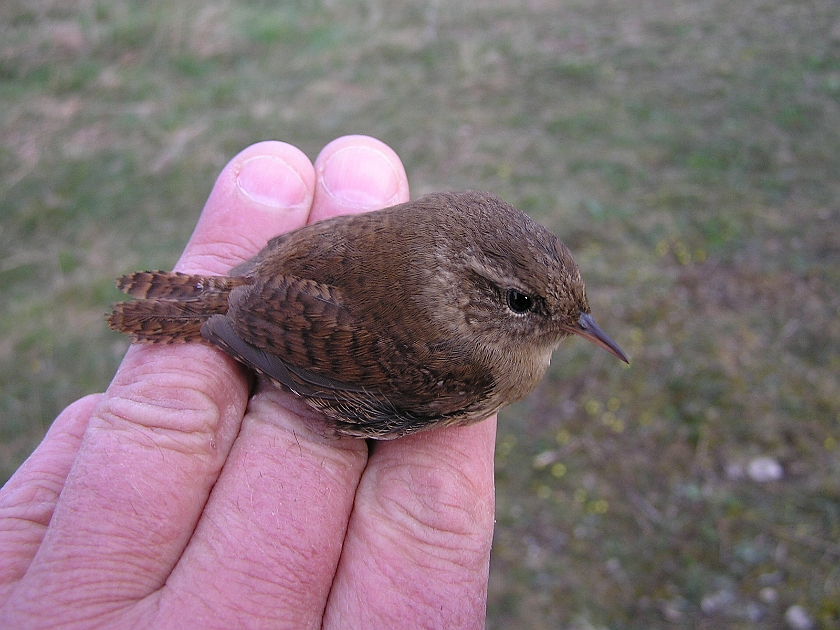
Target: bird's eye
x=519, y=302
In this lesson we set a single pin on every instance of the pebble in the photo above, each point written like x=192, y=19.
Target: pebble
x=716, y=602
x=764, y=469
x=768, y=595
x=798, y=618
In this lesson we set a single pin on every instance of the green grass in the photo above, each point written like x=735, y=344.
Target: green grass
x=688, y=153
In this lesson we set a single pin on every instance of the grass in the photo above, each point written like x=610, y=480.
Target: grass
x=688, y=153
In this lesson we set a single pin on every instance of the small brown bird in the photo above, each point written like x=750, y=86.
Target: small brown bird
x=434, y=312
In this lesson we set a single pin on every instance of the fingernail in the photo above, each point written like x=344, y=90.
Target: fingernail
x=272, y=182
x=360, y=177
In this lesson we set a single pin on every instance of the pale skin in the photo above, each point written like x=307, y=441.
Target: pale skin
x=182, y=498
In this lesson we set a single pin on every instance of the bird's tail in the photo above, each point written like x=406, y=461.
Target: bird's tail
x=172, y=305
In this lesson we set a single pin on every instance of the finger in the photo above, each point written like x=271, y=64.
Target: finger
x=274, y=526
x=157, y=441
x=265, y=190
x=28, y=499
x=417, y=550
x=357, y=173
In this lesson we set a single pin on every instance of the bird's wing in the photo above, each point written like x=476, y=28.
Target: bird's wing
x=297, y=332
x=301, y=334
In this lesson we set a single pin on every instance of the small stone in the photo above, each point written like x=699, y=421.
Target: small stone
x=764, y=469
x=797, y=618
x=768, y=595
x=716, y=602
x=672, y=610
x=544, y=459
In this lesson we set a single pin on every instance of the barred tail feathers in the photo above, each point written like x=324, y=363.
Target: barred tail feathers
x=172, y=305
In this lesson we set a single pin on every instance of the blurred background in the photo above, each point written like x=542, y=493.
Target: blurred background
x=687, y=152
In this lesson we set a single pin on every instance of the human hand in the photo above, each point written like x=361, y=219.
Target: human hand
x=174, y=500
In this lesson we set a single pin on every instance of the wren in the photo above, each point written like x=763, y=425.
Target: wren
x=434, y=312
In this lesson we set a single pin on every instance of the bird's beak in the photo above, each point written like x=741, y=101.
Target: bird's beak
x=588, y=329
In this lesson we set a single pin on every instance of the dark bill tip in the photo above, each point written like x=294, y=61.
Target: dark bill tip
x=591, y=331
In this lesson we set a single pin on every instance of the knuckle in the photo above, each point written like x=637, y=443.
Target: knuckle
x=439, y=509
